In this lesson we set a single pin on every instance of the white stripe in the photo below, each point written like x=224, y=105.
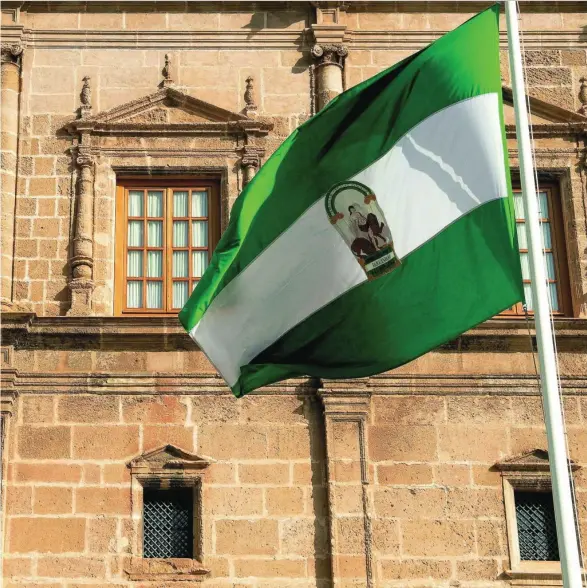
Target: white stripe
x=446, y=166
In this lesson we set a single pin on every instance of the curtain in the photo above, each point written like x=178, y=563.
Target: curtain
x=180, y=233
x=521, y=230
x=135, y=233
x=154, y=294
x=134, y=294
x=180, y=294
x=180, y=264
x=134, y=265
x=155, y=203
x=199, y=204
x=135, y=203
x=518, y=206
x=180, y=204
x=155, y=233
x=199, y=263
x=553, y=296
x=199, y=234
x=155, y=264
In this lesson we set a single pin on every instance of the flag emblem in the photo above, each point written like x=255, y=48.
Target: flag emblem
x=354, y=212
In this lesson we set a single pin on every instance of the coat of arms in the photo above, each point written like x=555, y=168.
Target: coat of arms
x=355, y=213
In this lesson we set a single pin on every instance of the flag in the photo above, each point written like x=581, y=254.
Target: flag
x=380, y=229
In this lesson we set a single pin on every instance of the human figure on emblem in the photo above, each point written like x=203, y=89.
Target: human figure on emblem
x=369, y=225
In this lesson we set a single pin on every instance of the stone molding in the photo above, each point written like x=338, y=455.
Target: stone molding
x=535, y=462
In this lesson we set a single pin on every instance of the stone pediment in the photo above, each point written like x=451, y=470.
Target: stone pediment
x=169, y=110
x=168, y=458
x=543, y=114
x=533, y=461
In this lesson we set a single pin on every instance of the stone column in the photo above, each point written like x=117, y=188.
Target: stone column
x=82, y=260
x=250, y=163
x=345, y=415
x=328, y=71
x=9, y=97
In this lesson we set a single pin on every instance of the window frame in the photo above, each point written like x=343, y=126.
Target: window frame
x=558, y=250
x=167, y=184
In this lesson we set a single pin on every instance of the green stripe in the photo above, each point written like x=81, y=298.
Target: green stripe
x=344, y=138
x=465, y=275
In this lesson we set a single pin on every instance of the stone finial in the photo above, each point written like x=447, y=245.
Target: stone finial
x=11, y=53
x=167, y=79
x=583, y=96
x=329, y=54
x=250, y=106
x=86, y=98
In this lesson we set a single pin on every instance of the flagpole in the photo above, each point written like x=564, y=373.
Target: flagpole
x=557, y=451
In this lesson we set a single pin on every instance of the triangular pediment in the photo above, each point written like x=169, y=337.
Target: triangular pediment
x=541, y=111
x=532, y=461
x=169, y=457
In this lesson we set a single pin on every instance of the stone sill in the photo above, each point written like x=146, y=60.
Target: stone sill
x=166, y=570
x=535, y=577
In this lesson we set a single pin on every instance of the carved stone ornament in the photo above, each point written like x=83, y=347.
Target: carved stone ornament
x=583, y=96
x=167, y=79
x=86, y=98
x=330, y=54
x=11, y=53
x=250, y=162
x=250, y=106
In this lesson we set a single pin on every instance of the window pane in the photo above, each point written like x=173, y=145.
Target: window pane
x=155, y=203
x=550, y=273
x=154, y=294
x=134, y=264
x=134, y=294
x=547, y=241
x=553, y=297
x=528, y=297
x=180, y=203
x=180, y=264
x=135, y=203
x=199, y=263
x=180, y=294
x=180, y=233
x=199, y=204
x=521, y=230
x=155, y=264
x=518, y=205
x=199, y=234
x=155, y=233
x=536, y=526
x=525, y=263
x=135, y=233
x=543, y=204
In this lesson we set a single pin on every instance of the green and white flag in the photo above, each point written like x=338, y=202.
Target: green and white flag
x=378, y=230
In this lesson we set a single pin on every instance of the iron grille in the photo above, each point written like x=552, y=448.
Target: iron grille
x=168, y=522
x=536, y=526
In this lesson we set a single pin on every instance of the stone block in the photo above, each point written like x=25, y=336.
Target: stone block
x=542, y=57
x=242, y=537
x=144, y=21
x=491, y=538
x=273, y=409
x=52, y=500
x=573, y=57
x=275, y=104
x=46, y=228
x=116, y=473
x=42, y=187
x=155, y=436
x=483, y=475
x=270, y=568
x=26, y=207
x=47, y=535
x=284, y=501
x=303, y=536
x=52, y=80
x=37, y=409
x=221, y=473
x=377, y=21
x=548, y=76
x=101, y=20
x=524, y=439
x=402, y=442
x=556, y=95
x=71, y=567
x=105, y=500
x=44, y=166
x=239, y=501
x=233, y=441
x=347, y=499
x=269, y=473
x=424, y=503
x=303, y=474
x=91, y=473
x=408, y=410
x=404, y=474
x=385, y=535
x=37, y=442
x=19, y=500
x=282, y=80
x=105, y=442
x=16, y=567
x=26, y=248
x=438, y=538
x=241, y=20
x=345, y=470
x=53, y=20
x=102, y=534
x=153, y=409
x=288, y=442
x=193, y=20
x=57, y=57
x=452, y=475
x=478, y=409
x=477, y=570
x=350, y=535
x=408, y=569
x=472, y=442
x=47, y=472
x=351, y=566
x=469, y=503
x=126, y=77
x=120, y=361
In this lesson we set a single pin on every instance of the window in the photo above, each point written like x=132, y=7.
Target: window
x=166, y=232
x=554, y=251
x=168, y=517
x=536, y=526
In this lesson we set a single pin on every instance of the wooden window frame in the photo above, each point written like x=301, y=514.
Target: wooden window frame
x=558, y=249
x=168, y=185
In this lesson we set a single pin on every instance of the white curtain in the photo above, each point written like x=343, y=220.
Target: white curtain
x=199, y=263
x=518, y=206
x=525, y=263
x=180, y=204
x=180, y=294
x=546, y=239
x=155, y=264
x=180, y=233
x=553, y=296
x=180, y=264
x=134, y=265
x=543, y=204
x=522, y=241
x=155, y=233
x=199, y=234
x=135, y=233
x=135, y=203
x=199, y=204
x=528, y=297
x=134, y=294
x=154, y=294
x=155, y=203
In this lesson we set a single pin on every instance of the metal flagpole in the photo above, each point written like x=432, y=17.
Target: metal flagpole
x=557, y=452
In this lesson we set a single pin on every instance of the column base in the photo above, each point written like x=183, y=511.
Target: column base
x=81, y=297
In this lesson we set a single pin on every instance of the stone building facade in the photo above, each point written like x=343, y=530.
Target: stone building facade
x=409, y=478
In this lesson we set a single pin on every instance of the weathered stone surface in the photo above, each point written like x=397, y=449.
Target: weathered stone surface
x=58, y=535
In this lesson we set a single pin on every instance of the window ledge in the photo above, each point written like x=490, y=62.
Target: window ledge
x=530, y=577
x=170, y=570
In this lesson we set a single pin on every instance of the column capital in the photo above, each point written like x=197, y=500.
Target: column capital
x=11, y=53
x=84, y=160
x=330, y=53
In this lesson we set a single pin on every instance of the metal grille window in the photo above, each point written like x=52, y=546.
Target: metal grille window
x=536, y=526
x=168, y=523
